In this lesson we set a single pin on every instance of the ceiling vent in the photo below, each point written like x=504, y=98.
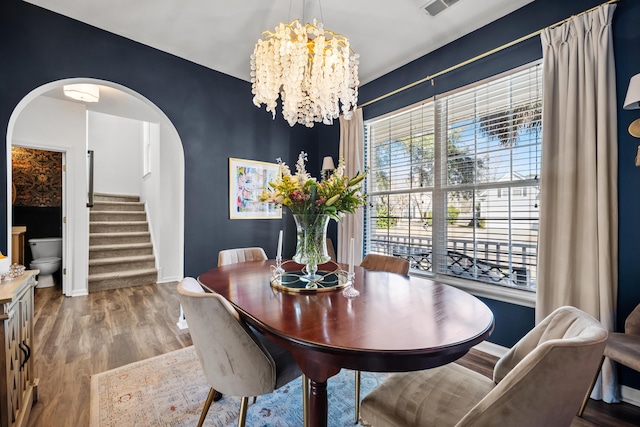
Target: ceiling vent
x=435, y=7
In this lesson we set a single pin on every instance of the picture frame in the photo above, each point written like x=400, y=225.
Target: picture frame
x=247, y=179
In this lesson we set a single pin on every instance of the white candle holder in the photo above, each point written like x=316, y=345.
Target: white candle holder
x=279, y=270
x=349, y=291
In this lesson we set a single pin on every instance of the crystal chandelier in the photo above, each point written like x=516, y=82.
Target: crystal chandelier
x=313, y=70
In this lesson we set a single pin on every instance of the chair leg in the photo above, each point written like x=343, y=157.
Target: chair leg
x=242, y=417
x=207, y=405
x=357, y=396
x=305, y=400
x=588, y=395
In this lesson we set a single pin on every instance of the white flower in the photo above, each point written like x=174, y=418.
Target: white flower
x=339, y=172
x=301, y=171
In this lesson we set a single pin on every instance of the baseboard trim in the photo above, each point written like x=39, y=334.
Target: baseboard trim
x=80, y=293
x=630, y=395
x=169, y=279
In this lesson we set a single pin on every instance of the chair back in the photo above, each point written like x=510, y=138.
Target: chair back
x=233, y=256
x=542, y=380
x=330, y=250
x=632, y=323
x=232, y=358
x=391, y=264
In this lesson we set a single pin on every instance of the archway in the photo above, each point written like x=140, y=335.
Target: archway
x=167, y=200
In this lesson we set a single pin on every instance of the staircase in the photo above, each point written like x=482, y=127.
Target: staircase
x=120, y=249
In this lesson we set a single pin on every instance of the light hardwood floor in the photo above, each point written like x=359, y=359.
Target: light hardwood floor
x=80, y=336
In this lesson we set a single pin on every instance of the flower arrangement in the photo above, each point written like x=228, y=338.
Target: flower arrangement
x=334, y=195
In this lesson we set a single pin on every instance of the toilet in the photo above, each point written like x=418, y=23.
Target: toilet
x=47, y=257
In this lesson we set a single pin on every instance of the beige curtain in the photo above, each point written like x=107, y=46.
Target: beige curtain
x=352, y=151
x=578, y=248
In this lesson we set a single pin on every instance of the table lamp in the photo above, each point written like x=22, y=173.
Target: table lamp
x=632, y=102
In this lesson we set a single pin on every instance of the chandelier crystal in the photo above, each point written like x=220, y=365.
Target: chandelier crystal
x=313, y=70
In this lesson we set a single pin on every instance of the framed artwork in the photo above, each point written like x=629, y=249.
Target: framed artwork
x=247, y=179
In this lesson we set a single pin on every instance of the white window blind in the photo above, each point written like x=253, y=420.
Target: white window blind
x=453, y=182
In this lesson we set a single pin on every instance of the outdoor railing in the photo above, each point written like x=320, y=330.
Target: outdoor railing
x=487, y=261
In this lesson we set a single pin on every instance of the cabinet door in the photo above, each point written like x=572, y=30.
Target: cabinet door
x=26, y=342
x=13, y=362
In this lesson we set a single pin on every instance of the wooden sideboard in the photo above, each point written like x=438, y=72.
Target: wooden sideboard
x=18, y=382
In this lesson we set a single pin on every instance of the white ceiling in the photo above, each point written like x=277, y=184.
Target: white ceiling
x=113, y=101
x=220, y=34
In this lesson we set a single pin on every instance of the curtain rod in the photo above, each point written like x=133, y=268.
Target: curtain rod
x=483, y=55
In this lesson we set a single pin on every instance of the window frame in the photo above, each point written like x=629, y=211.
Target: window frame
x=514, y=295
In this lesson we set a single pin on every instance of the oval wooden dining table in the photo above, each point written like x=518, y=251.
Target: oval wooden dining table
x=396, y=324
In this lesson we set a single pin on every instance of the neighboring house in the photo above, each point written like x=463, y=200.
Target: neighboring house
x=521, y=204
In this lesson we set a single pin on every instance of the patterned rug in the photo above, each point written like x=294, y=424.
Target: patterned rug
x=170, y=390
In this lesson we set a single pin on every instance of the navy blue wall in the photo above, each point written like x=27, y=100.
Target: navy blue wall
x=513, y=321
x=216, y=119
x=212, y=112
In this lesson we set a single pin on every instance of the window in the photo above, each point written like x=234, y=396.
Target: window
x=453, y=183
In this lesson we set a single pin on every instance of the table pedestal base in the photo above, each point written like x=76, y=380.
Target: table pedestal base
x=318, y=404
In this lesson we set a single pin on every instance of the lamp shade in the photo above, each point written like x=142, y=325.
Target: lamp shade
x=327, y=163
x=82, y=92
x=632, y=101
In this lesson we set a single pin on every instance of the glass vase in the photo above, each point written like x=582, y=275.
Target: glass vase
x=311, y=247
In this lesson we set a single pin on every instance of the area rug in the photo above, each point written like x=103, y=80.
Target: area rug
x=170, y=390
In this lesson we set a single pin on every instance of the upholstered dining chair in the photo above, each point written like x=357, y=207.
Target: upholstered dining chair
x=235, y=360
x=539, y=382
x=331, y=250
x=623, y=347
x=233, y=256
x=389, y=264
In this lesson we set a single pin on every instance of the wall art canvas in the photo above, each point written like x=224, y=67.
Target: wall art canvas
x=247, y=179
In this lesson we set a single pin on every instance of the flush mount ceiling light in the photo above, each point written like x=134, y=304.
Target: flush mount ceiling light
x=82, y=92
x=312, y=70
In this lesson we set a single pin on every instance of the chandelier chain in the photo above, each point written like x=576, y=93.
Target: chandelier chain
x=321, y=13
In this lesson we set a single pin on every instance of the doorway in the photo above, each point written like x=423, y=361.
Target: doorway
x=38, y=210
x=45, y=119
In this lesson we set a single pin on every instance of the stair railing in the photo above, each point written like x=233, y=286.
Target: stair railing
x=90, y=178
